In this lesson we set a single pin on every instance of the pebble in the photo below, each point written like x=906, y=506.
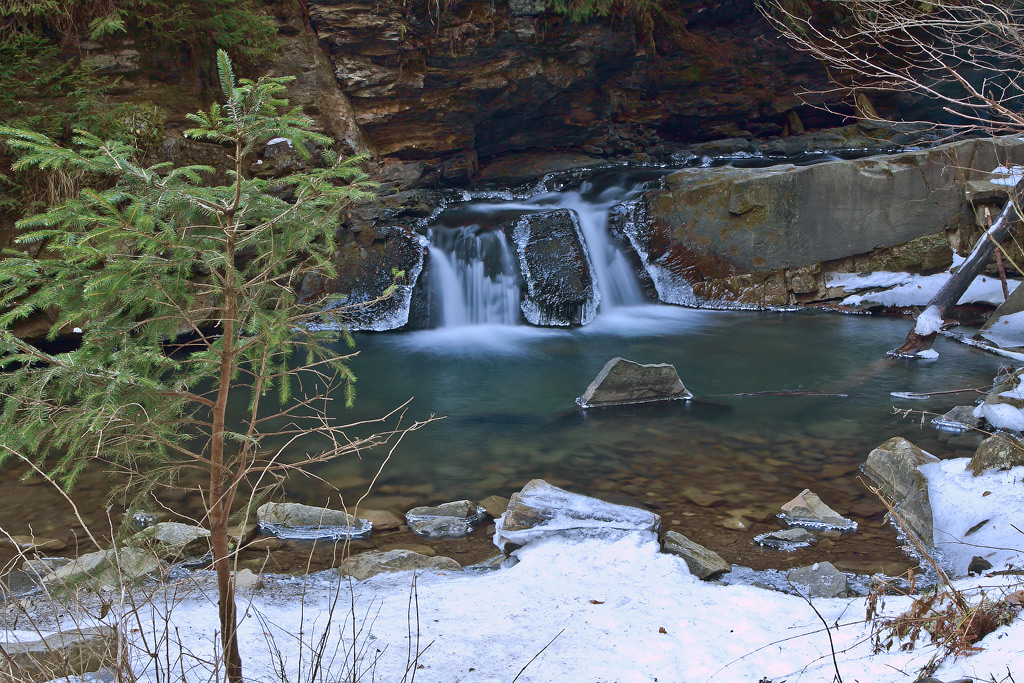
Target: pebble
x=736, y=523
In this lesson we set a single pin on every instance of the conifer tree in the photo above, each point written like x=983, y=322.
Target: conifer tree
x=146, y=257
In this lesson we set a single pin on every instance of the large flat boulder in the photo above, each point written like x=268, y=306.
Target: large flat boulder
x=622, y=381
x=365, y=565
x=717, y=223
x=541, y=510
x=894, y=467
x=558, y=277
x=297, y=521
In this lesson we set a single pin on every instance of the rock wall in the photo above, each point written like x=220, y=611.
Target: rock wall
x=765, y=236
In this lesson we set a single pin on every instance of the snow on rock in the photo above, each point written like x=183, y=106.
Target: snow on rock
x=1007, y=331
x=929, y=322
x=541, y=510
x=905, y=289
x=1008, y=175
x=975, y=516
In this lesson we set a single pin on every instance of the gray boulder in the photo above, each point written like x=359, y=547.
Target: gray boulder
x=558, y=277
x=541, y=510
x=305, y=522
x=106, y=568
x=894, y=467
x=365, y=565
x=622, y=382
x=70, y=653
x=808, y=510
x=32, y=544
x=821, y=580
x=997, y=452
x=957, y=419
x=702, y=562
x=450, y=520
x=173, y=540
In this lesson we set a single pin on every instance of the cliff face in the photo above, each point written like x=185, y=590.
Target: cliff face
x=442, y=95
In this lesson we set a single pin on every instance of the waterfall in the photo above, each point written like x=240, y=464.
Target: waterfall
x=474, y=274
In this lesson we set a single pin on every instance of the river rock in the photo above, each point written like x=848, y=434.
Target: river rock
x=702, y=562
x=495, y=505
x=622, y=382
x=70, y=653
x=957, y=419
x=821, y=580
x=173, y=541
x=305, y=522
x=786, y=540
x=382, y=520
x=106, y=568
x=558, y=277
x=997, y=452
x=894, y=467
x=808, y=510
x=247, y=580
x=450, y=520
x=541, y=510
x=365, y=565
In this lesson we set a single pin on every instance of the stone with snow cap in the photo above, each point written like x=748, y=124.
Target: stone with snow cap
x=623, y=382
x=306, y=522
x=808, y=510
x=541, y=510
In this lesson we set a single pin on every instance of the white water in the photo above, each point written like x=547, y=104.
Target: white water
x=475, y=277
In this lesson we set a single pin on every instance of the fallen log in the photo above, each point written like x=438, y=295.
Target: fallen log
x=929, y=321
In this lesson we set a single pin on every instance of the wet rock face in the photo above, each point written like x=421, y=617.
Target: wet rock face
x=557, y=273
x=894, y=467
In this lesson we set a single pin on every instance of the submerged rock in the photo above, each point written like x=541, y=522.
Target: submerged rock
x=808, y=510
x=702, y=562
x=70, y=653
x=622, y=382
x=306, y=522
x=541, y=510
x=821, y=580
x=786, y=540
x=558, y=276
x=450, y=520
x=365, y=565
x=997, y=452
x=32, y=544
x=894, y=467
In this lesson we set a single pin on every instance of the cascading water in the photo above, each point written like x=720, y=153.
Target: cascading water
x=475, y=276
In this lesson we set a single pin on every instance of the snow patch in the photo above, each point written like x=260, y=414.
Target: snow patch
x=1007, y=331
x=929, y=322
x=1001, y=416
x=1010, y=175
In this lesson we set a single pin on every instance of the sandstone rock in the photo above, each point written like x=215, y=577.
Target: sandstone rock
x=808, y=510
x=450, y=520
x=106, y=568
x=382, y=520
x=32, y=544
x=894, y=467
x=736, y=523
x=724, y=222
x=297, y=521
x=622, y=381
x=957, y=419
x=173, y=540
x=703, y=563
x=997, y=452
x=495, y=505
x=702, y=498
x=786, y=539
x=541, y=510
x=365, y=565
x=69, y=653
x=558, y=277
x=821, y=580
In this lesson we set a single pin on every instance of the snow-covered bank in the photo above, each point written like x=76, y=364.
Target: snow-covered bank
x=617, y=610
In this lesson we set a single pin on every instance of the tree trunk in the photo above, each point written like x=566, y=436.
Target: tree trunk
x=920, y=338
x=219, y=502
